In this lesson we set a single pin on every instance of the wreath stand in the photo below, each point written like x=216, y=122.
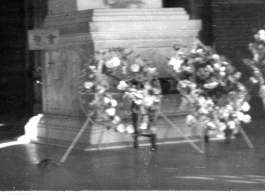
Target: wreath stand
x=240, y=129
x=89, y=119
x=159, y=113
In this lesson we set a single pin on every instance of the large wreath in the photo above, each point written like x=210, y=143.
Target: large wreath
x=212, y=85
x=115, y=83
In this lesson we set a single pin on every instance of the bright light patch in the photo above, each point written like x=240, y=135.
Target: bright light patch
x=192, y=177
x=21, y=140
x=241, y=181
x=31, y=128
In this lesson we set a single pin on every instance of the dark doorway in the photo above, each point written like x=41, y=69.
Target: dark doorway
x=176, y=3
x=197, y=9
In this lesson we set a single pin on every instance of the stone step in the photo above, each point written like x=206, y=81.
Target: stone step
x=111, y=18
x=134, y=43
x=118, y=12
x=116, y=16
x=144, y=26
x=63, y=130
x=126, y=26
x=98, y=36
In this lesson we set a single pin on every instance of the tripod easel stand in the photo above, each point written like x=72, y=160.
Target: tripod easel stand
x=166, y=119
x=180, y=132
x=76, y=139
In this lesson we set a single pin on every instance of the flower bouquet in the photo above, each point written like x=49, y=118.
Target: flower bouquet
x=112, y=74
x=212, y=85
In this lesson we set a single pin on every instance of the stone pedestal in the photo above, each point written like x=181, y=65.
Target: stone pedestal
x=66, y=6
x=150, y=32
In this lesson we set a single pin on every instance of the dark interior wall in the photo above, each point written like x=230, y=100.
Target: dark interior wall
x=197, y=9
x=14, y=99
x=235, y=23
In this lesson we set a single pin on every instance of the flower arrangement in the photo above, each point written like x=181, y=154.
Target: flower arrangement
x=111, y=73
x=209, y=82
x=257, y=63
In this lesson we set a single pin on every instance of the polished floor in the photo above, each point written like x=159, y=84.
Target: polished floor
x=179, y=167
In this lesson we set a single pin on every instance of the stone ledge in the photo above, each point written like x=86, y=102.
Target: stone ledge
x=97, y=36
x=113, y=12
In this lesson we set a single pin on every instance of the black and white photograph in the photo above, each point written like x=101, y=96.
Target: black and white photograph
x=132, y=96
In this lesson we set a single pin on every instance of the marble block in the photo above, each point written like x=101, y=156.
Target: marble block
x=66, y=6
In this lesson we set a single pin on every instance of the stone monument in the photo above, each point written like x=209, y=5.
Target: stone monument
x=86, y=26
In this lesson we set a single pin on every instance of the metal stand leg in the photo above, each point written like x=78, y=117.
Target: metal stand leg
x=175, y=127
x=75, y=140
x=245, y=137
x=153, y=141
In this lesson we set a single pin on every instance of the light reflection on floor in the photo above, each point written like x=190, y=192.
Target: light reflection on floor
x=20, y=140
x=244, y=179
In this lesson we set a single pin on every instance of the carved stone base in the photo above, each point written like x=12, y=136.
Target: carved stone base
x=62, y=130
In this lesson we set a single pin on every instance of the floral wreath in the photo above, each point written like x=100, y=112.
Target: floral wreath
x=110, y=77
x=209, y=82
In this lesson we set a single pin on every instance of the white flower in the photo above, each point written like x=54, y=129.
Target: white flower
x=156, y=99
x=120, y=128
x=143, y=126
x=240, y=116
x=245, y=107
x=192, y=86
x=130, y=129
x=187, y=68
x=210, y=85
x=217, y=66
x=229, y=107
x=223, y=74
x=222, y=69
x=122, y=85
x=152, y=70
x=138, y=102
x=176, y=63
x=253, y=80
x=116, y=120
x=106, y=100
x=135, y=68
x=111, y=111
x=222, y=126
x=138, y=94
x=201, y=100
x=211, y=125
x=231, y=124
x=116, y=61
x=109, y=64
x=156, y=91
x=262, y=34
x=199, y=50
x=215, y=57
x=203, y=110
x=114, y=103
x=88, y=85
x=148, y=101
x=247, y=118
x=238, y=75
